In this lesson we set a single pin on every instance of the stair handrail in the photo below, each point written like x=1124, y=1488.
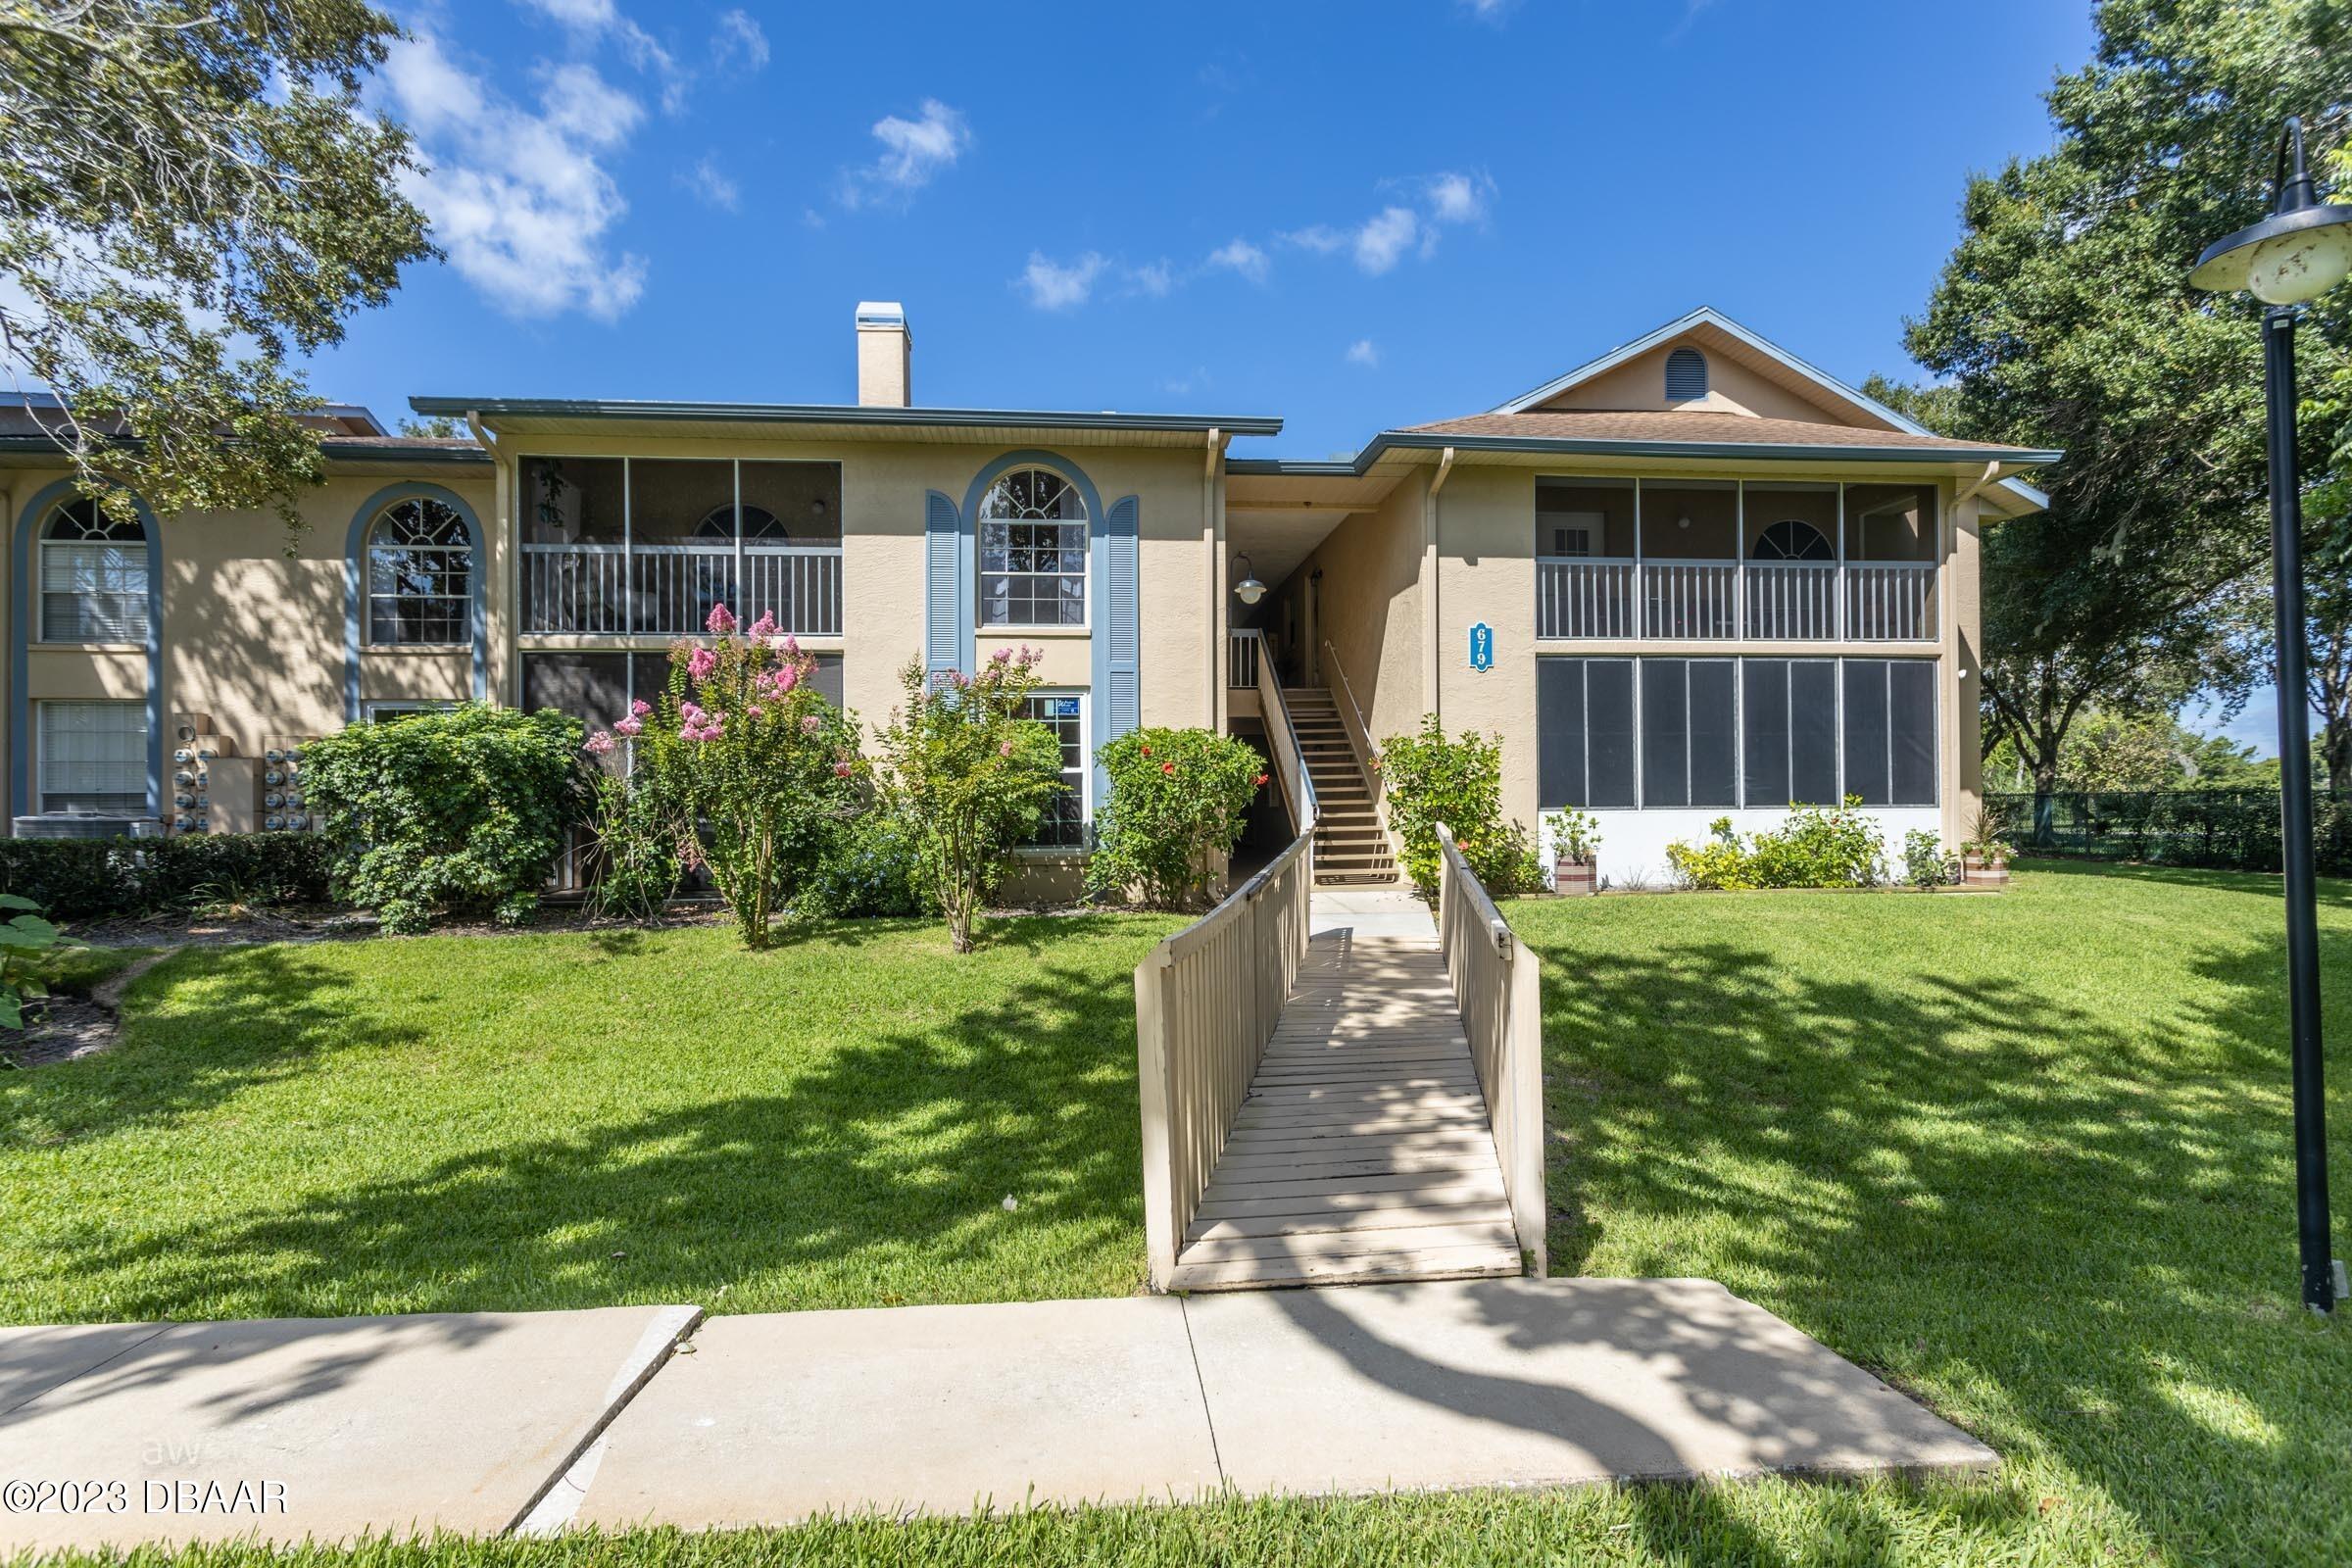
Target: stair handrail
x=1297, y=783
x=1366, y=750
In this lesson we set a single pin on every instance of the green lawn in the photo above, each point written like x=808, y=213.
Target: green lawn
x=2027, y=1157
x=580, y=1119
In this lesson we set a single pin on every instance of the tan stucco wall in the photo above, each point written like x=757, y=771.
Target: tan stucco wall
x=1369, y=608
x=1486, y=572
x=1641, y=384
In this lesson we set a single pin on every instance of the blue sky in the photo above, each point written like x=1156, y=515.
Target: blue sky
x=1353, y=216
x=1350, y=215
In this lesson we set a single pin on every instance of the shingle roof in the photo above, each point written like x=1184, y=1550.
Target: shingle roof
x=1697, y=426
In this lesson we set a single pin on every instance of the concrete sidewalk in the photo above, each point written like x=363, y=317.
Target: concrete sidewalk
x=486, y=1423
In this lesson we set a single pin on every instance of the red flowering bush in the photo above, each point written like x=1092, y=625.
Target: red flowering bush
x=1177, y=799
x=748, y=763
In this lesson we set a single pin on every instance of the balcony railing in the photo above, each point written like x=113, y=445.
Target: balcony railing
x=668, y=590
x=1716, y=601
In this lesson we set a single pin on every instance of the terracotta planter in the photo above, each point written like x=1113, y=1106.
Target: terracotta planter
x=1977, y=872
x=1574, y=876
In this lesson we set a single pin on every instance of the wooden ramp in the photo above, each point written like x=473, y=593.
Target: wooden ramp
x=1362, y=1150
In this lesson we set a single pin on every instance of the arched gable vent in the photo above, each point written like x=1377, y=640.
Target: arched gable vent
x=1685, y=375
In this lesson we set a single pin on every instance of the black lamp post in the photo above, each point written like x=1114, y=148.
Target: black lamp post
x=2292, y=257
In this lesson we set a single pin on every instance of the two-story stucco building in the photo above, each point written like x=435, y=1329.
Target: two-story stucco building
x=1694, y=578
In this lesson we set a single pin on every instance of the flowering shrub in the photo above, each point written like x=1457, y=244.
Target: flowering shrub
x=1813, y=849
x=462, y=811
x=1431, y=779
x=1176, y=802
x=635, y=861
x=971, y=775
x=752, y=769
x=1924, y=864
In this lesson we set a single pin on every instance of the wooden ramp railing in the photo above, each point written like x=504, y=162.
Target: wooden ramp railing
x=1496, y=987
x=1205, y=1004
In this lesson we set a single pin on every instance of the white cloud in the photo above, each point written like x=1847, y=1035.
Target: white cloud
x=1384, y=238
x=1156, y=278
x=1052, y=286
x=1489, y=11
x=1363, y=352
x=591, y=21
x=1381, y=241
x=913, y=152
x=518, y=198
x=1243, y=258
x=711, y=186
x=738, y=42
x=1456, y=198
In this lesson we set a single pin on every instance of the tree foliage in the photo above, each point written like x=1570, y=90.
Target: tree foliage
x=192, y=198
x=971, y=774
x=2064, y=319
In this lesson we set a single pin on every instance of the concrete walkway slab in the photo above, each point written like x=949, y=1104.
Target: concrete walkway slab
x=323, y=1427
x=1522, y=1382
x=33, y=1361
x=930, y=1408
x=1376, y=913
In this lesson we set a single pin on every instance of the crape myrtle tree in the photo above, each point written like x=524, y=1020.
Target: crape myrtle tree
x=971, y=775
x=2064, y=318
x=192, y=199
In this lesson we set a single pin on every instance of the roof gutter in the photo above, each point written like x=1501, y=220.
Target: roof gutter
x=1389, y=441
x=494, y=409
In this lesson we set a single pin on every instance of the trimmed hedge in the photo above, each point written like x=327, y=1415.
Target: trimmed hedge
x=91, y=879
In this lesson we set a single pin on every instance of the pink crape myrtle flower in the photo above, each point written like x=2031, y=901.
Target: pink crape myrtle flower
x=792, y=646
x=841, y=771
x=755, y=710
x=811, y=724
x=630, y=725
x=700, y=663
x=1004, y=748
x=722, y=621
x=763, y=628
x=640, y=708
x=599, y=744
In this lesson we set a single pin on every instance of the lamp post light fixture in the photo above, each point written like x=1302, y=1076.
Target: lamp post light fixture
x=2292, y=257
x=1249, y=590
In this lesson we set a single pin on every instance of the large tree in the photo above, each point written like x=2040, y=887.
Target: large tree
x=2064, y=318
x=192, y=198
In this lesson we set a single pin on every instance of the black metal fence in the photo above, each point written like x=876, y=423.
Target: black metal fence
x=2223, y=830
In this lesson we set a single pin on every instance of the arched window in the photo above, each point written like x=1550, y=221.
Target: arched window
x=759, y=525
x=94, y=577
x=420, y=575
x=1792, y=540
x=1032, y=525
x=1685, y=375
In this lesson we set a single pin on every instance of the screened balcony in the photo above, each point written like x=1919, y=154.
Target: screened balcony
x=647, y=547
x=1724, y=561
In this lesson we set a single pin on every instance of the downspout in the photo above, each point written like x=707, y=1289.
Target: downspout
x=511, y=561
x=1212, y=541
x=1429, y=579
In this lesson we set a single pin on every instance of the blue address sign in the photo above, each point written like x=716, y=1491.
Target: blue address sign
x=1482, y=647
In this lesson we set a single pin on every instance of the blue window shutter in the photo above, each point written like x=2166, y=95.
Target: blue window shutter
x=941, y=548
x=1123, y=703
x=1685, y=375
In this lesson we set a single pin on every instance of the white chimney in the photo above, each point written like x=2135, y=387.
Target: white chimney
x=885, y=349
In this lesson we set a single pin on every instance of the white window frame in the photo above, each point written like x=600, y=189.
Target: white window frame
x=1085, y=771
x=1084, y=523
x=395, y=707
x=135, y=553
x=469, y=607
x=140, y=762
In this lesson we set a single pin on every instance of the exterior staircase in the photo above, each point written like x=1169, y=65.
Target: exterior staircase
x=1352, y=848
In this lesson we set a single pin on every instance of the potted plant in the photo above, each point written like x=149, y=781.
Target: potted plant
x=1575, y=849
x=1984, y=862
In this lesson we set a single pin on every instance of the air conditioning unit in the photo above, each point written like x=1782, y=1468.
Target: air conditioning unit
x=90, y=826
